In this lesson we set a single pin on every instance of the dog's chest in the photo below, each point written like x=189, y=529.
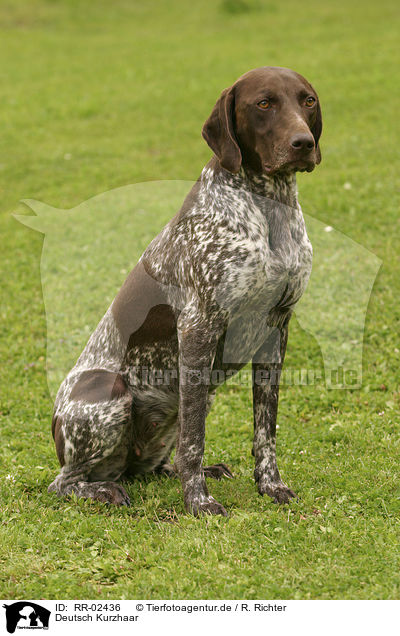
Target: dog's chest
x=271, y=257
x=288, y=260
x=271, y=278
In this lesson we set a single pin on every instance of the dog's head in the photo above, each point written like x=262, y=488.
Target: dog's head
x=269, y=120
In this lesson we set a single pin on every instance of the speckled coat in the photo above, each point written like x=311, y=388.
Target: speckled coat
x=213, y=291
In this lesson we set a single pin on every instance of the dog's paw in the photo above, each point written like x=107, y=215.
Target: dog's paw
x=113, y=493
x=205, y=506
x=107, y=492
x=279, y=492
x=217, y=471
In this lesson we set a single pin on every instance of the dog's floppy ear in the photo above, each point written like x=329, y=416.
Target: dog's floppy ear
x=316, y=130
x=219, y=134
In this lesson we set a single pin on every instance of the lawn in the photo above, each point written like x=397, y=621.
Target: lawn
x=100, y=96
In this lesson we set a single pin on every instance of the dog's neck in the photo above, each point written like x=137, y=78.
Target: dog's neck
x=280, y=187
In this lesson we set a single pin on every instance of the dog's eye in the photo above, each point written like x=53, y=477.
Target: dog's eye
x=310, y=101
x=265, y=103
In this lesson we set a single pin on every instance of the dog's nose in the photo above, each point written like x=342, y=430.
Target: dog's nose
x=302, y=141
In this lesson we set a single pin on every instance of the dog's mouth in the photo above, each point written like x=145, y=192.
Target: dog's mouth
x=290, y=167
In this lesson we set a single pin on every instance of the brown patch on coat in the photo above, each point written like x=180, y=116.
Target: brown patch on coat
x=98, y=385
x=58, y=438
x=141, y=310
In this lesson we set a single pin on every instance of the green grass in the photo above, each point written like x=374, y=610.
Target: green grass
x=97, y=96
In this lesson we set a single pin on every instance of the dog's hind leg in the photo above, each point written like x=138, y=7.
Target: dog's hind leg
x=92, y=431
x=73, y=481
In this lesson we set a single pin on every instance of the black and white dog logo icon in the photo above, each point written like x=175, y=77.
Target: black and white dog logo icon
x=26, y=615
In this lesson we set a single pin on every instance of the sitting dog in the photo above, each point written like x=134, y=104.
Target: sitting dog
x=214, y=290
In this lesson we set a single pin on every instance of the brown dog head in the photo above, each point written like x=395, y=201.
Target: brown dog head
x=269, y=120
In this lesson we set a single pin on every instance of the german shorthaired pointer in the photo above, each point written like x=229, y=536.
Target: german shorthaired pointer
x=214, y=290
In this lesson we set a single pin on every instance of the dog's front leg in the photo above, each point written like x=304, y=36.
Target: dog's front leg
x=197, y=346
x=266, y=376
